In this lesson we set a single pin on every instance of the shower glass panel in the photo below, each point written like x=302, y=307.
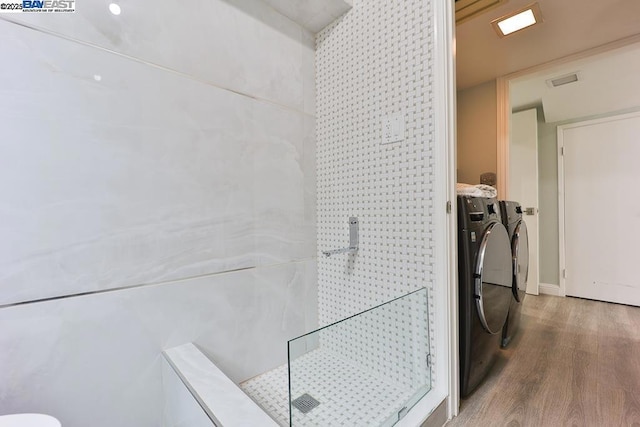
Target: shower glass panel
x=366, y=370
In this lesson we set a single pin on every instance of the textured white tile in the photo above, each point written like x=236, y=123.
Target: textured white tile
x=349, y=395
x=180, y=408
x=374, y=61
x=243, y=45
x=391, y=340
x=220, y=397
x=363, y=370
x=270, y=390
x=102, y=352
x=142, y=176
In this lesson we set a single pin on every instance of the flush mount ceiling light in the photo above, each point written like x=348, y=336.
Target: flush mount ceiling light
x=518, y=20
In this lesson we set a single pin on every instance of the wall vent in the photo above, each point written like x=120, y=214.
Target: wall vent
x=563, y=80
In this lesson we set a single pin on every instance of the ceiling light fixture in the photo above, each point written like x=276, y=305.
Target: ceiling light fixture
x=115, y=9
x=518, y=20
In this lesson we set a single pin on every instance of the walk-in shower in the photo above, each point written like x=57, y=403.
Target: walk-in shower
x=365, y=370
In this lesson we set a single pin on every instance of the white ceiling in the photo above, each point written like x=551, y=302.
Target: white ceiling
x=607, y=82
x=313, y=15
x=569, y=26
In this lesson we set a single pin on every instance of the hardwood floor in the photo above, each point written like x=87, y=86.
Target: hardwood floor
x=574, y=362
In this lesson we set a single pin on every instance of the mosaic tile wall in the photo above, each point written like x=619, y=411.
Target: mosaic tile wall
x=374, y=62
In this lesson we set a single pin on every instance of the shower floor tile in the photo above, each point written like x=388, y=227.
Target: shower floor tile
x=363, y=399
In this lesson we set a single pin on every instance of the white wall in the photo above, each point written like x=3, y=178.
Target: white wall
x=156, y=148
x=376, y=61
x=477, y=132
x=548, y=200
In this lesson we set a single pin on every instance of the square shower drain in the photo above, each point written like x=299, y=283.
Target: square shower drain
x=305, y=403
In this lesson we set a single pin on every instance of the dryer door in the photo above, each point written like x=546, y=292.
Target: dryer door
x=493, y=278
x=520, y=250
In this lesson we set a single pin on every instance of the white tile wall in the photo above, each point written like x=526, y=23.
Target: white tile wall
x=96, y=360
x=243, y=45
x=373, y=62
x=222, y=399
x=392, y=341
x=157, y=148
x=180, y=409
x=364, y=371
x=142, y=176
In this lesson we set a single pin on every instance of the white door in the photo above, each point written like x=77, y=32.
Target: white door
x=602, y=208
x=523, y=182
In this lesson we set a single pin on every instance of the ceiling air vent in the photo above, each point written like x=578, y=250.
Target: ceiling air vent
x=563, y=80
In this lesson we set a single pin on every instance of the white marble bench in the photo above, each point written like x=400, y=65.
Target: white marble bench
x=221, y=399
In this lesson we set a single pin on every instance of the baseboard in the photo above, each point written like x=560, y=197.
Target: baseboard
x=549, y=289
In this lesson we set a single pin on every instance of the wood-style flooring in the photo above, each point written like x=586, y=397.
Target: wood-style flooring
x=574, y=362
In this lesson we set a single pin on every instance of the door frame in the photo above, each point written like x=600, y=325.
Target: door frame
x=445, y=194
x=504, y=128
x=561, y=192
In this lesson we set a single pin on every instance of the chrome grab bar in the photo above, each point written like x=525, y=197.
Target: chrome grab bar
x=353, y=239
